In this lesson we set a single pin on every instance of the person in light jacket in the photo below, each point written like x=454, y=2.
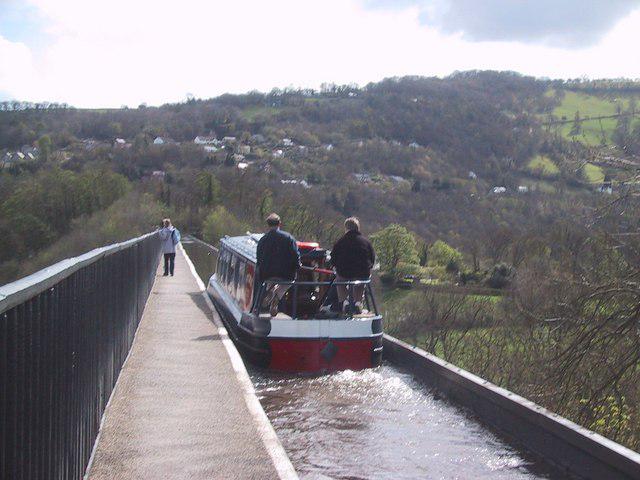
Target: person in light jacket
x=168, y=246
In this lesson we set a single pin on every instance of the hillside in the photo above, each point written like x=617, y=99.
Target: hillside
x=521, y=239
x=455, y=158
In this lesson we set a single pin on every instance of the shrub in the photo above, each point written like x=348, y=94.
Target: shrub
x=221, y=222
x=500, y=275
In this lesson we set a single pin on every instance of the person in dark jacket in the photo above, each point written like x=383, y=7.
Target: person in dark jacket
x=353, y=258
x=278, y=258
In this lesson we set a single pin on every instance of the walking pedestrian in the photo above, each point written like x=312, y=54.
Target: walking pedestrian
x=170, y=237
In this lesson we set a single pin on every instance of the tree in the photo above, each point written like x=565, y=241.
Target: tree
x=394, y=245
x=576, y=128
x=622, y=133
x=44, y=145
x=221, y=222
x=443, y=255
x=208, y=189
x=500, y=276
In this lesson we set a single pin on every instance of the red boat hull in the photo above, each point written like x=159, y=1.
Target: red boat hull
x=321, y=355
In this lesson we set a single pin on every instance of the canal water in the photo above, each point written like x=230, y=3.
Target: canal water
x=377, y=424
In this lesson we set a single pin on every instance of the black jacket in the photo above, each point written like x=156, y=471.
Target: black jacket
x=353, y=256
x=277, y=255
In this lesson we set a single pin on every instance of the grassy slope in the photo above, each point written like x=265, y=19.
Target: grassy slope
x=251, y=112
x=593, y=173
x=543, y=165
x=591, y=106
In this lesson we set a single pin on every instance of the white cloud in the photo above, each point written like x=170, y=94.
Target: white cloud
x=128, y=52
x=17, y=73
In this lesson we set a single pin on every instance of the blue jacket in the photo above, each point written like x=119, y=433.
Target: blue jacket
x=277, y=255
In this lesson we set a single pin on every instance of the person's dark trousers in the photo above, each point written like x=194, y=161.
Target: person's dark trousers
x=169, y=262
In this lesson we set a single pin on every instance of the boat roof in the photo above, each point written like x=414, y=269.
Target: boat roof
x=245, y=245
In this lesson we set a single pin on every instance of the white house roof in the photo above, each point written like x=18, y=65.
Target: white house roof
x=202, y=140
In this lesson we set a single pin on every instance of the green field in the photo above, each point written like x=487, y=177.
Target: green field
x=543, y=165
x=593, y=173
x=251, y=112
x=593, y=131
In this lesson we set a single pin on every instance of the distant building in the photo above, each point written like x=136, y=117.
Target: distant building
x=328, y=147
x=242, y=165
x=498, y=190
x=362, y=177
x=287, y=142
x=159, y=174
x=6, y=160
x=210, y=148
x=523, y=189
x=257, y=139
x=472, y=175
x=121, y=143
x=607, y=185
x=278, y=153
x=164, y=141
x=29, y=150
x=414, y=145
x=202, y=140
x=606, y=188
x=89, y=143
x=302, y=183
x=228, y=140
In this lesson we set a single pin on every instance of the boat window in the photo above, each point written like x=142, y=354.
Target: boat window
x=239, y=280
x=220, y=266
x=230, y=271
x=234, y=279
x=224, y=266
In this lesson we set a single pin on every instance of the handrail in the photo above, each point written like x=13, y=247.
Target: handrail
x=17, y=292
x=65, y=332
x=295, y=284
x=191, y=238
x=308, y=283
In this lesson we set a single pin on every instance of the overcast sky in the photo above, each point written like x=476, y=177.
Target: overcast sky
x=125, y=52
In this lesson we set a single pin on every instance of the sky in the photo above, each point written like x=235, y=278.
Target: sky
x=112, y=53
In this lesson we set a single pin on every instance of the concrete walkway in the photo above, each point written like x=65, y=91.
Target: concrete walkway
x=182, y=409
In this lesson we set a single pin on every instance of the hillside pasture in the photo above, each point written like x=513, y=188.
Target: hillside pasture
x=593, y=132
x=593, y=173
x=543, y=166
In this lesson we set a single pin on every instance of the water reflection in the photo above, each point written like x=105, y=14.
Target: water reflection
x=381, y=423
x=204, y=258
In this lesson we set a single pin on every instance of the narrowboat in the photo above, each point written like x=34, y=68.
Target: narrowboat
x=311, y=332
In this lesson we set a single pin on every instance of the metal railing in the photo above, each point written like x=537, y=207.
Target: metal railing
x=64, y=334
x=295, y=285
